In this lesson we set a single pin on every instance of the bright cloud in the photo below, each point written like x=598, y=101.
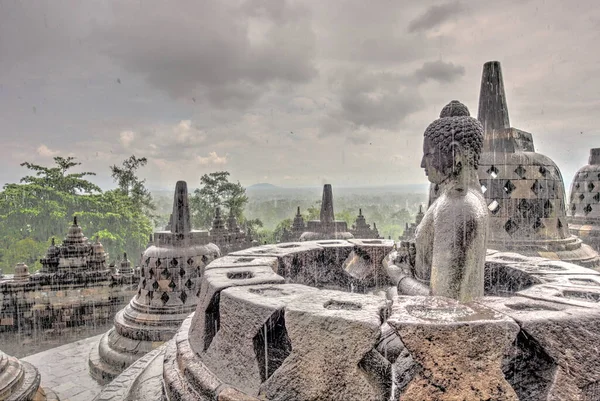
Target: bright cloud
x=126, y=137
x=45, y=151
x=212, y=160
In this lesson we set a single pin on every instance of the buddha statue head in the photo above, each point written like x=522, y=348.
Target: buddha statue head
x=452, y=144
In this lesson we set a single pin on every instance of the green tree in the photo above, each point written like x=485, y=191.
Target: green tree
x=281, y=227
x=58, y=179
x=42, y=205
x=130, y=184
x=313, y=212
x=216, y=191
x=346, y=215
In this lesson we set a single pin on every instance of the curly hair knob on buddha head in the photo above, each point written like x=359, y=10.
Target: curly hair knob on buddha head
x=455, y=126
x=455, y=109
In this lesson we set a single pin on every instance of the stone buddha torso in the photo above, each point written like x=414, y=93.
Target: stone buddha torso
x=449, y=239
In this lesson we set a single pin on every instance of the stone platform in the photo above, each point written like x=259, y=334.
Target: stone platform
x=296, y=321
x=64, y=370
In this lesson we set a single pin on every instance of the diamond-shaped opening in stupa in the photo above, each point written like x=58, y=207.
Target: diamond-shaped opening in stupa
x=493, y=171
x=538, y=225
x=164, y=298
x=520, y=171
x=509, y=187
x=548, y=209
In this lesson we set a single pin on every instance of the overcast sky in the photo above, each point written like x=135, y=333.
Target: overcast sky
x=294, y=93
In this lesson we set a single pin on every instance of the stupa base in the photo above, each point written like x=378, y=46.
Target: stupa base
x=571, y=250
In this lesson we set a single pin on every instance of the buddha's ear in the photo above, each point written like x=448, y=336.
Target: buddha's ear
x=457, y=152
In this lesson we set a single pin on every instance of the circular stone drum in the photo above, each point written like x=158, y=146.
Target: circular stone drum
x=310, y=320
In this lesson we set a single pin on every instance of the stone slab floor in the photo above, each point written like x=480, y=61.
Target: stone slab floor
x=64, y=369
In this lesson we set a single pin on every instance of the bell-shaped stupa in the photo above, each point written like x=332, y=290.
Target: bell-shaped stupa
x=20, y=381
x=167, y=293
x=584, y=203
x=524, y=189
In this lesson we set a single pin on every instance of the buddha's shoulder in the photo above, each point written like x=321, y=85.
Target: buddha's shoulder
x=471, y=205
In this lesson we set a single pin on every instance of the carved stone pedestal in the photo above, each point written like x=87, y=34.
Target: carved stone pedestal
x=459, y=348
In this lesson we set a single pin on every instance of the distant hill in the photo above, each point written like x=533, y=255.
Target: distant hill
x=262, y=185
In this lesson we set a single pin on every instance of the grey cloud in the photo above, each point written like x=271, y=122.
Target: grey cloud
x=439, y=71
x=42, y=41
x=434, y=16
x=369, y=33
x=376, y=99
x=228, y=54
x=358, y=138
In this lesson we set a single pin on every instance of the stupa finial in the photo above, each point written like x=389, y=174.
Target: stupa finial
x=180, y=223
x=594, y=156
x=327, y=215
x=493, y=110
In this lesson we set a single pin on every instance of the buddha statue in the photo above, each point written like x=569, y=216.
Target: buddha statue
x=448, y=255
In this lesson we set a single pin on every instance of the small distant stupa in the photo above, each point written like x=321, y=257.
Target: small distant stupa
x=584, y=210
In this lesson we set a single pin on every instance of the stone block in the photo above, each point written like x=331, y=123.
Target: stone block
x=326, y=364
x=552, y=358
x=248, y=315
x=459, y=347
x=242, y=261
x=206, y=319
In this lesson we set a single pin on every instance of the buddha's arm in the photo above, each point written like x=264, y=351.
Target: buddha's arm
x=410, y=286
x=401, y=277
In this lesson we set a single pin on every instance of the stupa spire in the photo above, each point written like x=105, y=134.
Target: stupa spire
x=493, y=110
x=594, y=156
x=180, y=223
x=327, y=215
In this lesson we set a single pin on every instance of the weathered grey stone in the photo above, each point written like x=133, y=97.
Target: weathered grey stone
x=19, y=380
x=360, y=228
x=147, y=367
x=75, y=288
x=207, y=318
x=584, y=202
x=229, y=237
x=459, y=347
x=248, y=314
x=450, y=243
x=493, y=110
x=281, y=341
x=552, y=359
x=524, y=190
x=343, y=328
x=167, y=293
x=237, y=261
